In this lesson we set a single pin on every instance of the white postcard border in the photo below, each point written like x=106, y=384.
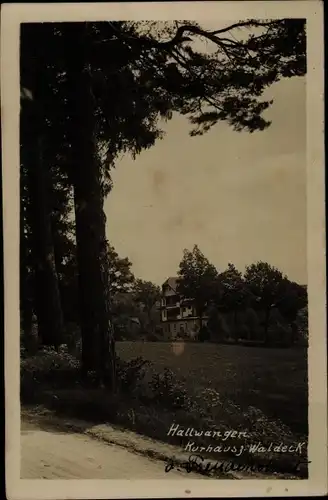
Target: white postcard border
x=12, y=16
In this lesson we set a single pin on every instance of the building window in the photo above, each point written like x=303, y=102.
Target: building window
x=172, y=314
x=174, y=326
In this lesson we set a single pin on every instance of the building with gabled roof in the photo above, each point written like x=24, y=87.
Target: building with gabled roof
x=179, y=316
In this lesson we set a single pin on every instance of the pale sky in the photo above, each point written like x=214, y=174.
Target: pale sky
x=241, y=197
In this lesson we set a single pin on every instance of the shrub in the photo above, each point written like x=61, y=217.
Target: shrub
x=130, y=373
x=47, y=359
x=47, y=368
x=169, y=392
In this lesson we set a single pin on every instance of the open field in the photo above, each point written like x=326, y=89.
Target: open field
x=273, y=380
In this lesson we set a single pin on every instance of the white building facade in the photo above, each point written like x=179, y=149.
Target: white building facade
x=178, y=315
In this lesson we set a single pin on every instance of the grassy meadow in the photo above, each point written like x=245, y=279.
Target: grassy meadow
x=272, y=380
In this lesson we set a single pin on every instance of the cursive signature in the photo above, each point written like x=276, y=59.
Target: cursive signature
x=197, y=463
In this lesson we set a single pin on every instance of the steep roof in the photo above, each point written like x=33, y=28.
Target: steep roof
x=172, y=281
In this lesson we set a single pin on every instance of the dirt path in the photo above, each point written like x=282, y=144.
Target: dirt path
x=49, y=454
x=54, y=447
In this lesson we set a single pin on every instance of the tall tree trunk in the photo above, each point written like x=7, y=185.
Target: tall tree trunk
x=235, y=312
x=200, y=320
x=294, y=332
x=48, y=304
x=266, y=326
x=26, y=306
x=200, y=329
x=151, y=327
x=26, y=299
x=98, y=348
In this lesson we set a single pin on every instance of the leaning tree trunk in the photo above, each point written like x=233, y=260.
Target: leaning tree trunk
x=98, y=349
x=48, y=304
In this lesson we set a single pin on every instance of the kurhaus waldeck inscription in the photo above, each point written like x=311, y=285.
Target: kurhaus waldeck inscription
x=299, y=448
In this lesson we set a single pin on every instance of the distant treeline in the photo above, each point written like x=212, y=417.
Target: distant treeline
x=261, y=305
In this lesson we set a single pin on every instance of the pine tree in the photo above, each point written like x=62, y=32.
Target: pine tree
x=104, y=89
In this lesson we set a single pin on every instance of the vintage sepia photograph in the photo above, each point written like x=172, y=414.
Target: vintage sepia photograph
x=164, y=271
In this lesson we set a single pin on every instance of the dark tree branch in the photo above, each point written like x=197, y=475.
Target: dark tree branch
x=210, y=35
x=243, y=24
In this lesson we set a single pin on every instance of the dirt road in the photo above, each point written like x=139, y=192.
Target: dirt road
x=60, y=455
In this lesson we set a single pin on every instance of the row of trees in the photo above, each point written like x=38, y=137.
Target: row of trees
x=132, y=301
x=91, y=92
x=262, y=288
